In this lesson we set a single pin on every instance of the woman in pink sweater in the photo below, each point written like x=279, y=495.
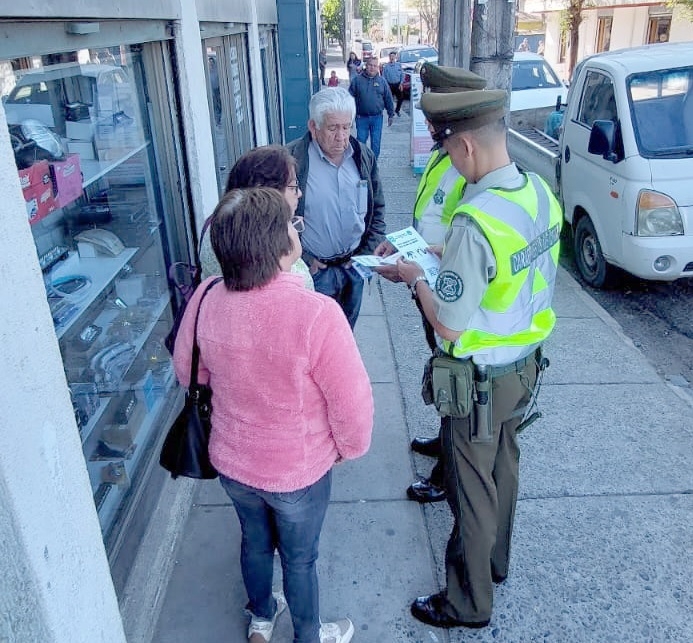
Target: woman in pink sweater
x=291, y=397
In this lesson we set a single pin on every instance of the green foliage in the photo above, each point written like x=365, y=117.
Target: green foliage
x=333, y=14
x=370, y=11
x=686, y=5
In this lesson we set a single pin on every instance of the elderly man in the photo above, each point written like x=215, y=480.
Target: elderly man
x=372, y=95
x=342, y=203
x=491, y=311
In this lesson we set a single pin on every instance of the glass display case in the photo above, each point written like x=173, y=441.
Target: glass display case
x=83, y=146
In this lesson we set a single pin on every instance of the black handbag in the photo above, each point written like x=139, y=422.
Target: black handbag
x=185, y=451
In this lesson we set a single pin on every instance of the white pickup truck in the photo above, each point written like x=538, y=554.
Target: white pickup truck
x=622, y=162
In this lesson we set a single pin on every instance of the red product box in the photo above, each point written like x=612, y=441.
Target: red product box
x=36, y=176
x=40, y=204
x=67, y=178
x=38, y=191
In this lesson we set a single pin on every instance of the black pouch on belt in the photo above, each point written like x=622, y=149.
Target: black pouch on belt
x=452, y=386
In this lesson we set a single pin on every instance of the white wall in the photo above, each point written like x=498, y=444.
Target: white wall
x=54, y=537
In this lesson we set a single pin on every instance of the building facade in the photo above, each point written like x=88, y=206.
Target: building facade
x=609, y=25
x=119, y=124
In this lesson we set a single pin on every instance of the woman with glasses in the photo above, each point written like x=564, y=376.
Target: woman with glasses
x=291, y=397
x=269, y=166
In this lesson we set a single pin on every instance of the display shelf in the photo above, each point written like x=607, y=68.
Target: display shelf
x=113, y=495
x=106, y=318
x=94, y=170
x=100, y=270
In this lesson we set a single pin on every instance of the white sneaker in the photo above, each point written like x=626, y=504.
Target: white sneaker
x=340, y=631
x=260, y=629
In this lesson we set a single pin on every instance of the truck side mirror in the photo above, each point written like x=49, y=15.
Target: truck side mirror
x=603, y=140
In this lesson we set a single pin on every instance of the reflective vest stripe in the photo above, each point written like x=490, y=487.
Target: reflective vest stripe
x=439, y=175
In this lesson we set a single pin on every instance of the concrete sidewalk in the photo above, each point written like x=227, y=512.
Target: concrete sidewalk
x=603, y=536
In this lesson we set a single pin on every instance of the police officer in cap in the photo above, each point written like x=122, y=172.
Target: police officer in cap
x=491, y=311
x=437, y=196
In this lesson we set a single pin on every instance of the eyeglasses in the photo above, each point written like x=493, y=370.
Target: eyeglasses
x=298, y=223
x=295, y=187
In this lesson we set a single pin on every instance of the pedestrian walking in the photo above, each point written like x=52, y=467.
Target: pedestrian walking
x=394, y=77
x=372, y=95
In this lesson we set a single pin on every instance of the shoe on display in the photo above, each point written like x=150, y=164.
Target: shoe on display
x=423, y=490
x=426, y=446
x=260, y=629
x=340, y=631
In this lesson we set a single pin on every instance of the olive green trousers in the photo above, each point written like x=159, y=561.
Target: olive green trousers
x=481, y=480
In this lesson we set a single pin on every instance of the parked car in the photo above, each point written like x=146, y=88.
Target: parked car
x=534, y=83
x=366, y=50
x=384, y=55
x=412, y=55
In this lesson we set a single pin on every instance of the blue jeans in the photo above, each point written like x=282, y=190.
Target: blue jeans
x=372, y=125
x=290, y=522
x=345, y=285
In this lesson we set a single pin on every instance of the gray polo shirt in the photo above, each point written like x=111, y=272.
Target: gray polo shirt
x=336, y=202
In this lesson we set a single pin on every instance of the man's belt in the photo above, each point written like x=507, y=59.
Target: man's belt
x=331, y=262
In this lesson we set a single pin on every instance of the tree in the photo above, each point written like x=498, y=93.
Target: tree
x=369, y=11
x=685, y=5
x=333, y=15
x=429, y=10
x=571, y=17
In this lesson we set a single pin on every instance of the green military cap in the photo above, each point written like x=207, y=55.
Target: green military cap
x=442, y=80
x=453, y=113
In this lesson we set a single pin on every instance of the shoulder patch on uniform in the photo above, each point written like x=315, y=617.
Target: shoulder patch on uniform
x=439, y=197
x=449, y=286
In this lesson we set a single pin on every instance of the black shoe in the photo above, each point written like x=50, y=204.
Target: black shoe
x=497, y=578
x=430, y=610
x=424, y=490
x=426, y=446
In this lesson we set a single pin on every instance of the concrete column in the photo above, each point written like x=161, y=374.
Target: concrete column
x=198, y=129
x=55, y=583
x=258, y=91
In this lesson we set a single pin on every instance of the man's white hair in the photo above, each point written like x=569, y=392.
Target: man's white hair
x=331, y=100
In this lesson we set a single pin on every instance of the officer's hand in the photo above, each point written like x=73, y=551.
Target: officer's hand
x=384, y=249
x=389, y=120
x=389, y=272
x=408, y=270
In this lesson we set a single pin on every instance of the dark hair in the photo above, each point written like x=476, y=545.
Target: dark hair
x=268, y=166
x=249, y=235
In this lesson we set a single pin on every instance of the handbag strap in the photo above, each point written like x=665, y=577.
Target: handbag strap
x=194, y=364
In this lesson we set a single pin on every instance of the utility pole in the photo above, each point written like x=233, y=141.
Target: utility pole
x=455, y=33
x=348, y=36
x=492, y=42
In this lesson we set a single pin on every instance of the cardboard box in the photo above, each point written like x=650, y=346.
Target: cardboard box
x=67, y=177
x=80, y=130
x=85, y=149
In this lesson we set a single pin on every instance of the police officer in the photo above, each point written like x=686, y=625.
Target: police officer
x=492, y=305
x=437, y=196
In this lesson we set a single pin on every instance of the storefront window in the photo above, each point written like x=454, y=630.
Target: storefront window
x=233, y=128
x=83, y=147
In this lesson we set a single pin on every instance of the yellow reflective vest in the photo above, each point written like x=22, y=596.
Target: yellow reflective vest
x=439, y=192
x=523, y=232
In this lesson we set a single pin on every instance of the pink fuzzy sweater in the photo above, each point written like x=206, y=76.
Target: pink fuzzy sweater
x=290, y=393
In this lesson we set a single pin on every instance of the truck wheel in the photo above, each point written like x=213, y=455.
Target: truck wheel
x=588, y=255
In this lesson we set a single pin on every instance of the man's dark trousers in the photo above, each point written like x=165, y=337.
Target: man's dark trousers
x=399, y=95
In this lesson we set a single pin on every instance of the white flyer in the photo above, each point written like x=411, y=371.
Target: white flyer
x=412, y=247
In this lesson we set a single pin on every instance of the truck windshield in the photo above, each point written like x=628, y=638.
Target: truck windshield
x=662, y=107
